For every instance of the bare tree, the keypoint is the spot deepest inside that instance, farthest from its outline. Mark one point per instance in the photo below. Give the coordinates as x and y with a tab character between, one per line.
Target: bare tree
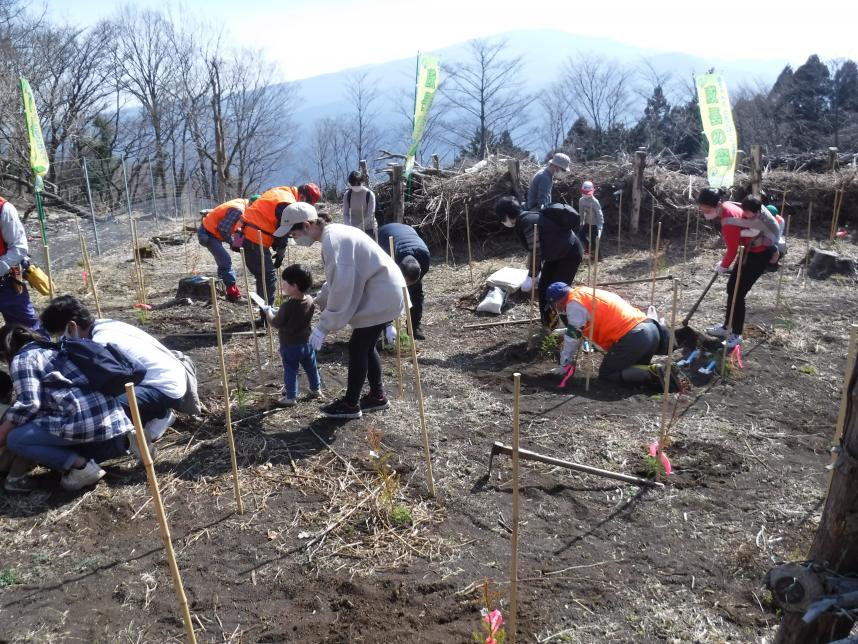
363	99
330	149
598	90
557	116
486	93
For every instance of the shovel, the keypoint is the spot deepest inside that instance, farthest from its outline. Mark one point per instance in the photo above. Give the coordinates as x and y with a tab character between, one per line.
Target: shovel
699	300
685	335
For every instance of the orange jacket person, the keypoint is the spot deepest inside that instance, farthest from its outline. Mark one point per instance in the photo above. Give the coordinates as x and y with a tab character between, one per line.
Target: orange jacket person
264	216
216	227
628	336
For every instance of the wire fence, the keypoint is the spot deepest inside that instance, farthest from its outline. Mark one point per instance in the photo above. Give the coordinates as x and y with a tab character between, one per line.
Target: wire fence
107	195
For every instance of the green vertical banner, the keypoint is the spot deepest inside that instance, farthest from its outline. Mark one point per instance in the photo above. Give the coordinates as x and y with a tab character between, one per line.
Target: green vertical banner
717	116
38	154
428	75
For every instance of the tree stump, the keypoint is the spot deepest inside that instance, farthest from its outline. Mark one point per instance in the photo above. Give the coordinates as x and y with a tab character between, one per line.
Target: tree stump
822	264
149	251
197	288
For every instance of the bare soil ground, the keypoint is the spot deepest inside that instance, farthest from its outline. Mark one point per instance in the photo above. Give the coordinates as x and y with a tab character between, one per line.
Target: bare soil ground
326	551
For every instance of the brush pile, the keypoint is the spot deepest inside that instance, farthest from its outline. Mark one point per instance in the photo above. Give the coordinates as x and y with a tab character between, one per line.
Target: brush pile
669	188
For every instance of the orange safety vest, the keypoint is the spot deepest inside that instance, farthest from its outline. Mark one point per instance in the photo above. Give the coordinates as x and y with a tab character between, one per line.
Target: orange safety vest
614	316
262	215
212	219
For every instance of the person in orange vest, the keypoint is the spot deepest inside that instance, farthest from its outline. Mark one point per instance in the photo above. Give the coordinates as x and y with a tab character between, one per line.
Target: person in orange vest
263	216
218	226
15	304
628	336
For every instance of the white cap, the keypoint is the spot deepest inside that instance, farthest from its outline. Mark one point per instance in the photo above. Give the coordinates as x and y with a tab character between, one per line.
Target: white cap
295	213
562	161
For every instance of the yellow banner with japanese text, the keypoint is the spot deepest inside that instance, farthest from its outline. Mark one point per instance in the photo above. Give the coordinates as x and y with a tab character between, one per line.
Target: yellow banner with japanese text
428	75
717	116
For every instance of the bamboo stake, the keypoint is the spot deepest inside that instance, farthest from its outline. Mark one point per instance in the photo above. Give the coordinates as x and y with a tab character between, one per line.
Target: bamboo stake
163	526
397	323
696	233
835	213
620	226
592	365
809	218
88	266
138	260
48	268
655	265
262	276
738	269
533	285
448	252
227	408
430	481
844	399
685	243
250	314
783	202
185	242
637	281
589	253
468	233
483	325
782	271
664	403
513	575
652	224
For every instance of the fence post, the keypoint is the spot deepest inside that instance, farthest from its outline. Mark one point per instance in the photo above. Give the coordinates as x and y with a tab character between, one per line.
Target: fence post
152	183
637	189
436	162
832	158
514	167
756	170
91	207
362	168
398	205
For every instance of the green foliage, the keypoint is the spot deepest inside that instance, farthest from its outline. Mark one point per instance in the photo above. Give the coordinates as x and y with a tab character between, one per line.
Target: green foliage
807	369
654	467
243	397
9	577
401	517
549	345
143	317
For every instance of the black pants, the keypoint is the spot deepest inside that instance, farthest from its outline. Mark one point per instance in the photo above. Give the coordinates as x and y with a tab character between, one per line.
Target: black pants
261	267
559	270
415	291
364	362
754	265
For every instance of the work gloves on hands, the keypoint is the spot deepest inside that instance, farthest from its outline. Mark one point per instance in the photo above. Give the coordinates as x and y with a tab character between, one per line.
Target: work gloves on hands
317	338
390	334
278	258
721	270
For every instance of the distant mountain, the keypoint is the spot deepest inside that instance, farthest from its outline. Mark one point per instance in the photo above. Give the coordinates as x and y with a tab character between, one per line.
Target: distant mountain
543	53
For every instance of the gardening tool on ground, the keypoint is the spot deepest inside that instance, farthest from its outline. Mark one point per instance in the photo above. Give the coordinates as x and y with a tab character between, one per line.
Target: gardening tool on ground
500	448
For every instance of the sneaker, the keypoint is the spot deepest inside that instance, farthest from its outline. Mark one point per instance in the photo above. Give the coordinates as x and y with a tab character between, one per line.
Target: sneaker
285	401
315	394
232	293
374	403
418	333
156	427
20	484
135	449
733	341
341	409
718	331
75	479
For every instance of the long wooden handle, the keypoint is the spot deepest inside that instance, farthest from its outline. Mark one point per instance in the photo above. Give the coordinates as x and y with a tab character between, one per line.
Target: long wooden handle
699	299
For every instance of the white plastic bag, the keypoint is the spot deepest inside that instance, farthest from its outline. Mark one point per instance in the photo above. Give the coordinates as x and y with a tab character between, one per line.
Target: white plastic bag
493	301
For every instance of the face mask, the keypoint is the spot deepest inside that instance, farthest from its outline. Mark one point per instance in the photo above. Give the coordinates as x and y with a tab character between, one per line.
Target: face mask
712	214
304	240
509	223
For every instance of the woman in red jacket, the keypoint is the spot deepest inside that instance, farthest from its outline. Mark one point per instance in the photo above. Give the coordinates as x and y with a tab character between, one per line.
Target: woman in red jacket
752	226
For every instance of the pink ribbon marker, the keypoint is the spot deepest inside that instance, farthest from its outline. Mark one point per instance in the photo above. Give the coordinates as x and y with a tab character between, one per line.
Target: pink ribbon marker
145	307
665	462
570	370
736	357
85	275
842	233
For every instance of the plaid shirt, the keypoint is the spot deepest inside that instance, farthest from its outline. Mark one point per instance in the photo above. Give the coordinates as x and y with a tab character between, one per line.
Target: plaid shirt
44	391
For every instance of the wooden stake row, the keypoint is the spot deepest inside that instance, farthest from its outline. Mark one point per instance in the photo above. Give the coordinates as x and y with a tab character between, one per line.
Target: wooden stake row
835	211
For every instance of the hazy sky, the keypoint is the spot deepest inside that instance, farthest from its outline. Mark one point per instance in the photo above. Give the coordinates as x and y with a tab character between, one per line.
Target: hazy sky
310	37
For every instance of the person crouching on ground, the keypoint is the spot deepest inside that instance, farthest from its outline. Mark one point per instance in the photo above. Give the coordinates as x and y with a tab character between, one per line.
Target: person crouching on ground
53	421
293	321
629	337
363	289
16	468
413	258
752	226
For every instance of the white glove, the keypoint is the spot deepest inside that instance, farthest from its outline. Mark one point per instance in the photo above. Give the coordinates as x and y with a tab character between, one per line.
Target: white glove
721	270
559	371
270	312
317	339
527	284
570	345
390	334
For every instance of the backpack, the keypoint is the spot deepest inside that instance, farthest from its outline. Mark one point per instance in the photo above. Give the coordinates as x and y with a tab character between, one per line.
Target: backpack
566	217
349	199
106	368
